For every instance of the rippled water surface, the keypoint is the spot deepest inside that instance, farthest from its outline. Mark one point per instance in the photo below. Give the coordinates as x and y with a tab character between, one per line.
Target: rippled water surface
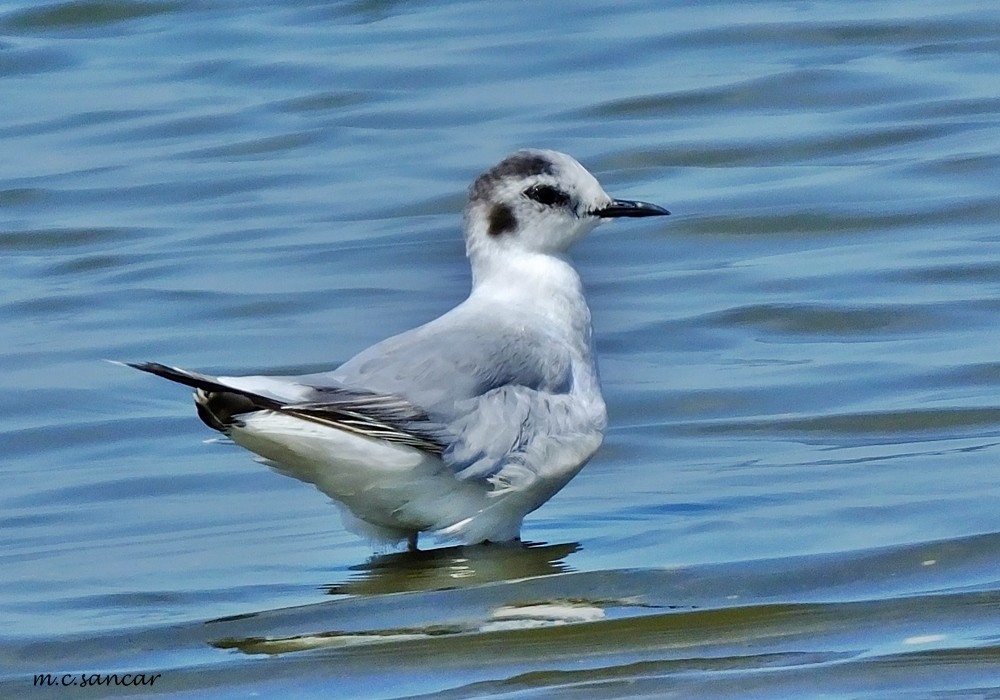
798	493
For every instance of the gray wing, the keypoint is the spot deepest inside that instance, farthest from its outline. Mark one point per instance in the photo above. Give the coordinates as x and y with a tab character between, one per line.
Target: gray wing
499	391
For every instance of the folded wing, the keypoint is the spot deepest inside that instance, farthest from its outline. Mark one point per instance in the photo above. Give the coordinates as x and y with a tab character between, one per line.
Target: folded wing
222	400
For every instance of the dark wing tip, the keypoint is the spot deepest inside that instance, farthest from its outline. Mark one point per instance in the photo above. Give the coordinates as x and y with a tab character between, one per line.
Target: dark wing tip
175	374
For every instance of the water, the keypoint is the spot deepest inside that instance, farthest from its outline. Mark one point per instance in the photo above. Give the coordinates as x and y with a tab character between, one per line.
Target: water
798	492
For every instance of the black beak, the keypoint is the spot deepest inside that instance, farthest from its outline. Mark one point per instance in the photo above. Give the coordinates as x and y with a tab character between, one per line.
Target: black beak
625	207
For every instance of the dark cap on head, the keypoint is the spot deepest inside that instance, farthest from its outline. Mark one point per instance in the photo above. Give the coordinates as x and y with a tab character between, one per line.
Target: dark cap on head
519	165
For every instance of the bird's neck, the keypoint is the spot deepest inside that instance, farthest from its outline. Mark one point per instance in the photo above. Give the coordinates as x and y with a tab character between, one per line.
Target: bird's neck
538	283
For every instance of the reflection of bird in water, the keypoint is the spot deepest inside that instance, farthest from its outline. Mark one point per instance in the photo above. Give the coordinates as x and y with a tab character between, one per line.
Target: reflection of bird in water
455	567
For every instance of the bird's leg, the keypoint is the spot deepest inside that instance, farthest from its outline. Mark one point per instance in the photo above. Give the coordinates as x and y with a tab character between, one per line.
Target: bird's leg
411	542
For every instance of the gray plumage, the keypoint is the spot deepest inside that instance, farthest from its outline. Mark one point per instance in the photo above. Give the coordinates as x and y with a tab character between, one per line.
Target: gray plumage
464	425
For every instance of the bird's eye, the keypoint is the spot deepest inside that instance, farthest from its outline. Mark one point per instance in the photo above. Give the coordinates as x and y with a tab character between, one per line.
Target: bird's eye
547	195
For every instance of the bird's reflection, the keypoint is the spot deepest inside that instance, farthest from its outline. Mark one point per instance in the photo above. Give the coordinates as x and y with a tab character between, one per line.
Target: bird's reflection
455	567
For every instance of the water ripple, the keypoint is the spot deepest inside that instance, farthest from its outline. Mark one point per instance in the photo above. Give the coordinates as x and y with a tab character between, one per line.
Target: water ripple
83	14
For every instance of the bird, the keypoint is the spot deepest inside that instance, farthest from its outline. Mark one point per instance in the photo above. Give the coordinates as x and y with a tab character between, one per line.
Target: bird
462	426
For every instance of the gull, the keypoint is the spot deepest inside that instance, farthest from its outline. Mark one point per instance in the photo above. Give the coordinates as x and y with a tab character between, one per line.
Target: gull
464	425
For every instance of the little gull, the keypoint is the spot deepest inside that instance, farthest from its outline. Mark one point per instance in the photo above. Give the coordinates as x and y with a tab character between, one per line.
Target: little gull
462	426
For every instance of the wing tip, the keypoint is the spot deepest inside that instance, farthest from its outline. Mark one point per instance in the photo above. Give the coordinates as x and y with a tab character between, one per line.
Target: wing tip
146	366
120	363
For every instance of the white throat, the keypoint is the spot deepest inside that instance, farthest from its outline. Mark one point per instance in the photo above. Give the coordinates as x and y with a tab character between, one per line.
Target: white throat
539	286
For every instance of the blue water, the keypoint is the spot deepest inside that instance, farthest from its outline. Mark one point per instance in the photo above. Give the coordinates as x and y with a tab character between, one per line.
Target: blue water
797	496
